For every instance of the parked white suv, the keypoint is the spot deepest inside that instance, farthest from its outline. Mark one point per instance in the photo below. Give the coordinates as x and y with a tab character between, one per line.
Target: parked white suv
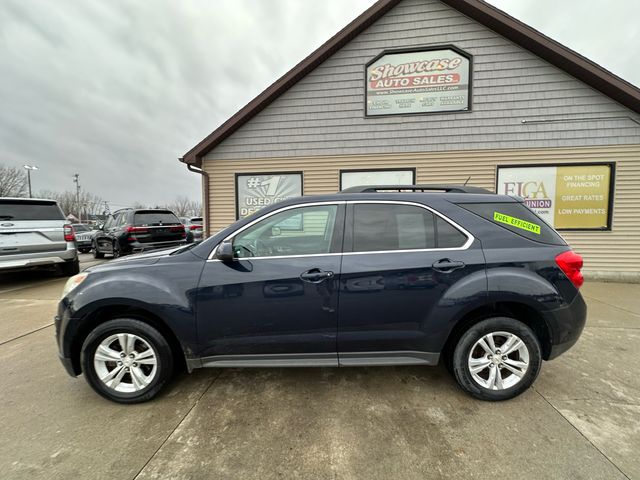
34	233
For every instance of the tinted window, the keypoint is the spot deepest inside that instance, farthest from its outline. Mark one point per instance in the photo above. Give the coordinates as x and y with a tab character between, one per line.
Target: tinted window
299	231
29	210
378	227
517	218
154	217
448	235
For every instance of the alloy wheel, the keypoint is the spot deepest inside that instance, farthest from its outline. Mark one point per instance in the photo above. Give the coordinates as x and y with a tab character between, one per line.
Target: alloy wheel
498	361
125	362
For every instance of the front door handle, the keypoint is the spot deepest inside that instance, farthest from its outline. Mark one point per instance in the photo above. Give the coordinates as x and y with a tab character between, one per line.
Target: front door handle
315	275
446	265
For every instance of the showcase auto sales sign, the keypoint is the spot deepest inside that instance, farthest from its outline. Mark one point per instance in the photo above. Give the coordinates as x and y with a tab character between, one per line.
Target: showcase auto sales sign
418	82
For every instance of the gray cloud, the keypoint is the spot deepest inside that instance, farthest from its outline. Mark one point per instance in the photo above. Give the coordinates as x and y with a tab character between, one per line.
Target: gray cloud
117	90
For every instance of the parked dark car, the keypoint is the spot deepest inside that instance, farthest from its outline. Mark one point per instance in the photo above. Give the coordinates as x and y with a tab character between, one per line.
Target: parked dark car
363	277
84	237
133	231
193	226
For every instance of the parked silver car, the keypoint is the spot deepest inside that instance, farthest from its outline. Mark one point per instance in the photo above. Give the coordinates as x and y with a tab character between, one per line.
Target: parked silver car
193	227
84	237
34	233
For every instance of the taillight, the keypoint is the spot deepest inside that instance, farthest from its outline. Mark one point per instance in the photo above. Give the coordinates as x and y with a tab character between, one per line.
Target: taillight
571	264
195	227
137	230
69	233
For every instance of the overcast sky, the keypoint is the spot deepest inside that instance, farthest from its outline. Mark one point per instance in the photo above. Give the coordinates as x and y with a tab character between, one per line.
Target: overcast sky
117	90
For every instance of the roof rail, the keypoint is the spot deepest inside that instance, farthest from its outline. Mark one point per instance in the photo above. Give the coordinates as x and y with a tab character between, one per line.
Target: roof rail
415	188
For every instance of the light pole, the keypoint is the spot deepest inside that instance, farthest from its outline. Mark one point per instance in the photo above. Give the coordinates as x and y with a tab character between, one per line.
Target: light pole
29	168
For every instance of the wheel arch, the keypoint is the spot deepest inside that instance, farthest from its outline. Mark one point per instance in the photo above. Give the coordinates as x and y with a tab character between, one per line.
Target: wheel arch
513	309
110	312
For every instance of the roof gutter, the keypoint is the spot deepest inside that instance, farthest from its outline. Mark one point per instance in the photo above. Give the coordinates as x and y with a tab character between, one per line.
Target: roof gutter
205	190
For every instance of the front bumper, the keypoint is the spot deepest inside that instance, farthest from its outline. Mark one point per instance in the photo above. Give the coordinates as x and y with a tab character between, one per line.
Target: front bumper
63	340
566	325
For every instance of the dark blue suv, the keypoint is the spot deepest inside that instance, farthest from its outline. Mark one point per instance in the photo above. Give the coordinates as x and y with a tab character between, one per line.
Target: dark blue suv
402	275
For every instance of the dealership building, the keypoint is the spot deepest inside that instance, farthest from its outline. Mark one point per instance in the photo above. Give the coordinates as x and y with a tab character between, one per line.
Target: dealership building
442	91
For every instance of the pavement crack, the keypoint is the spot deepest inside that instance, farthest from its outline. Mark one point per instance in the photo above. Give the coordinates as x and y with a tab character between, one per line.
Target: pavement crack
177	425
25	334
582	434
635	314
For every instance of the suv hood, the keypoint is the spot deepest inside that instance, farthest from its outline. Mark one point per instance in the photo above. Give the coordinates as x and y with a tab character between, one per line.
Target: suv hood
134	260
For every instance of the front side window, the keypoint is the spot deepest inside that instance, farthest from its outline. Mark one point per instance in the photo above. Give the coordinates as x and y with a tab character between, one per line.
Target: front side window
298	231
387	227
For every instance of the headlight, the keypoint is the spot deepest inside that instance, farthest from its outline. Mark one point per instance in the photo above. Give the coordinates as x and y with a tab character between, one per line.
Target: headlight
73	282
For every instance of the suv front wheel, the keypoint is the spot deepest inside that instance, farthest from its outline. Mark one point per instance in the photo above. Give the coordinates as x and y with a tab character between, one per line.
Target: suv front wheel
126	360
497	359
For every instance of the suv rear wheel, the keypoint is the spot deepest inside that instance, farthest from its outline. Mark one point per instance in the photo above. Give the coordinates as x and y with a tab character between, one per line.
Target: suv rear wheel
497	359
69	269
126	360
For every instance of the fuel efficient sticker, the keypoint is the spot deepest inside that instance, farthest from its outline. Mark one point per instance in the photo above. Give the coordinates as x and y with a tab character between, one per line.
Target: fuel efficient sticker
516	222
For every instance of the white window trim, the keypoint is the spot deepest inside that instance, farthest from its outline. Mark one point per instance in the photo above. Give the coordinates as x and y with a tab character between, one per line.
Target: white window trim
466	233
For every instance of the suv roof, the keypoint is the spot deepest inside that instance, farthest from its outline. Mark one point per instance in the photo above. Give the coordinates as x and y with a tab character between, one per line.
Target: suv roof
443	188
23	199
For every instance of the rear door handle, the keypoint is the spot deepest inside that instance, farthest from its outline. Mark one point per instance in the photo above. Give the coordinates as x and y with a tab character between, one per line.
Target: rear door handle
315	275
446	265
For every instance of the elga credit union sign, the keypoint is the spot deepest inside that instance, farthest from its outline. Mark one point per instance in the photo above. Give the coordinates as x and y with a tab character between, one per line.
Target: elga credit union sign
256	191
565	196
425	81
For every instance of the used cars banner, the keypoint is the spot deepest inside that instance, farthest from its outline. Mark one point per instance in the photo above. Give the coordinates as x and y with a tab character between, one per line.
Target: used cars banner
565	196
254	191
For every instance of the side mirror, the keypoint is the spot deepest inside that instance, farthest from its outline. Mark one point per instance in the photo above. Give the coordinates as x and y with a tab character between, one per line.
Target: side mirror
225	251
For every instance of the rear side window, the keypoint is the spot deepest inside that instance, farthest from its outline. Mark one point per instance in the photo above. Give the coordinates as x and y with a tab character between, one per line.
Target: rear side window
151	217
29	210
383	227
517	218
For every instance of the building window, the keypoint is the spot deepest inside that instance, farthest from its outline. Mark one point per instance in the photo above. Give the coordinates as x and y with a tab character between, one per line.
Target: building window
389	176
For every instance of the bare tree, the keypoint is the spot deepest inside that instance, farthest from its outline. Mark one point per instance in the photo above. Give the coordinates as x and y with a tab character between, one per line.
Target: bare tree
90	204
13	182
180	206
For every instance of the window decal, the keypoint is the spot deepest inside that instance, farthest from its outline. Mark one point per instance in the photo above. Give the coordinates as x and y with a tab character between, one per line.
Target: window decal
516	222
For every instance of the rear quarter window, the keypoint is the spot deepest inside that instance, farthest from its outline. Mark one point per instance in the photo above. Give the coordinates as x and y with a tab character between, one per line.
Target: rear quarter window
150	218
29	210
517	218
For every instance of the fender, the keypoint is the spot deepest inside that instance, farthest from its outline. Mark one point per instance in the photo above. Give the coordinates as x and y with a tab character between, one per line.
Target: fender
464	296
164	289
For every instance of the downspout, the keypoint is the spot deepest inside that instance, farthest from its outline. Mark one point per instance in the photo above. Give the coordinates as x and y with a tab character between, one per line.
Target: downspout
205	189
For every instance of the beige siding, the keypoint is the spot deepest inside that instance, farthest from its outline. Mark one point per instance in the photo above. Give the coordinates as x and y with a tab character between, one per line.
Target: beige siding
615	251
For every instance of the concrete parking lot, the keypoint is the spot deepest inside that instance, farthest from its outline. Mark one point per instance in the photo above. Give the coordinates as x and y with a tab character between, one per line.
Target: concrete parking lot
580	421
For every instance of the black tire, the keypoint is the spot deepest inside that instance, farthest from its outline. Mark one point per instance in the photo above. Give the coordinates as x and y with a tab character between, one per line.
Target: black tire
115	248
96	252
164	358
68	269
460	358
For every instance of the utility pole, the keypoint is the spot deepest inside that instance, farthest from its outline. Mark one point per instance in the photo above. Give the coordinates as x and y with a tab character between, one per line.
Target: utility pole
77	182
29	168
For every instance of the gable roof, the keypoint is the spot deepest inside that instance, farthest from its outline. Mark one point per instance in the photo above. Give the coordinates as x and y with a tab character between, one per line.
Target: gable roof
519	33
